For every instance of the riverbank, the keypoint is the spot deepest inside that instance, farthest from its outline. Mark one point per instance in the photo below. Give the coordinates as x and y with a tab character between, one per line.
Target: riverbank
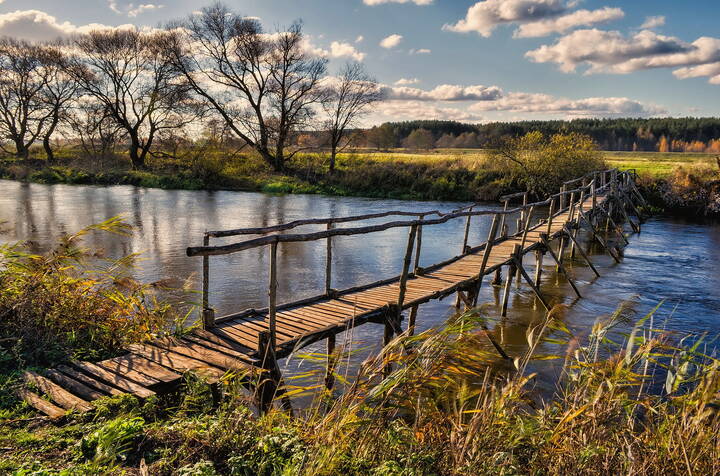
363	175
675	183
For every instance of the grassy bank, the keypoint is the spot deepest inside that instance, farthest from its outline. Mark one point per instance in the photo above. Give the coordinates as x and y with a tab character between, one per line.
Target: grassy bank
647	406
676	182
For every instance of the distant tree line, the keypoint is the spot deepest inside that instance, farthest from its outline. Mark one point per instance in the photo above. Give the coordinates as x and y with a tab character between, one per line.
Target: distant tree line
664	135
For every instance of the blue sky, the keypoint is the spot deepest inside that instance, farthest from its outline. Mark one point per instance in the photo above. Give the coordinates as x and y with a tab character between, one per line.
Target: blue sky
471	60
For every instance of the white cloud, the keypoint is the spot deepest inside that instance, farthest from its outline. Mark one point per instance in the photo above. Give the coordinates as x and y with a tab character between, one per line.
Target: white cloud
567	22
408	110
710	70
380	2
611	52
340	49
485	16
653	22
444	92
534	17
421	51
132	10
391	41
35	25
405	81
135	11
359	39
532	103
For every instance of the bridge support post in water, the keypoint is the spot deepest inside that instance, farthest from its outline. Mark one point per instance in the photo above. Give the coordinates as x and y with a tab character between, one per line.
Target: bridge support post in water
512	269
539	255
544	238
524	274
581	251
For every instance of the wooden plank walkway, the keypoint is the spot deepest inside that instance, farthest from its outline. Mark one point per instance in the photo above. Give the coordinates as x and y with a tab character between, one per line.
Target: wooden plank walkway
240	343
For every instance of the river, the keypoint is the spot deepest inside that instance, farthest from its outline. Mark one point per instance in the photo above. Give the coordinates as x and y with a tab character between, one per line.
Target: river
671	260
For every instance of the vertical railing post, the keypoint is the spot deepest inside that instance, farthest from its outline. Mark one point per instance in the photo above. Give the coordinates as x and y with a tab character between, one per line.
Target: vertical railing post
563	199
550	216
503	225
486	255
328	263
467	233
593	190
418	244
406	267
208	314
272	295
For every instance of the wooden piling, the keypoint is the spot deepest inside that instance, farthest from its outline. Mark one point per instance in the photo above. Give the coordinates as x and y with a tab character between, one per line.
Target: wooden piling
330	362
328	263
512	269
208	314
486	255
272	295
467	234
544	238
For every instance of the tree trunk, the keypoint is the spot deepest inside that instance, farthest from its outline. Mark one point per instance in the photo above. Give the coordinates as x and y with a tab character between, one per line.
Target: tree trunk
21	151
138	161
333	154
48	150
48	135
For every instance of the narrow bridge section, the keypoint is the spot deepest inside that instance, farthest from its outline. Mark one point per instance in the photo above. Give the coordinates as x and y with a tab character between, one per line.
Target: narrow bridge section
251	341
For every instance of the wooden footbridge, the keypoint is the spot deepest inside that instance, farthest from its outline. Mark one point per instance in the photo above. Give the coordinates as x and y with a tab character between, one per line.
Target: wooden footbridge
253	340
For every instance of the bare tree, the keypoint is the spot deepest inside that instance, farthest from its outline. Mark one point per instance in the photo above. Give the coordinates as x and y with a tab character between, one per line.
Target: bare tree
59	92
98	133
23	112
348	101
126	73
263	86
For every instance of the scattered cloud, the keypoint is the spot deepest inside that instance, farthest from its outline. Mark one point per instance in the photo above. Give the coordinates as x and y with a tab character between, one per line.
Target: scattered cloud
534	17
359	39
612	52
339	49
444	92
35	25
380	2
567	22
653	22
533	103
132	10
409	110
406	82
421	51
391	41
709	70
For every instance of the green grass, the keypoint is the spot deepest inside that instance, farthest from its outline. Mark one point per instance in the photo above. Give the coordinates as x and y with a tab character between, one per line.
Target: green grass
658	164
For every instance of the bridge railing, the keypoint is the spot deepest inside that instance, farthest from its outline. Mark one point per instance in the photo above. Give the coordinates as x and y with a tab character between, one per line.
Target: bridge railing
558	203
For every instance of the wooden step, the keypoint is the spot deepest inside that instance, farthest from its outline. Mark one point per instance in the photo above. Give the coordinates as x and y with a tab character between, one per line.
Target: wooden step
59	395
39	403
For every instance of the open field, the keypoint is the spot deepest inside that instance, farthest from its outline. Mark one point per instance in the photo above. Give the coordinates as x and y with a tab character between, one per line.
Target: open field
652	164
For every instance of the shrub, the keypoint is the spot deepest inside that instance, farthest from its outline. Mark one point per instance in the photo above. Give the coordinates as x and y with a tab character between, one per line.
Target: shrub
70	302
540	164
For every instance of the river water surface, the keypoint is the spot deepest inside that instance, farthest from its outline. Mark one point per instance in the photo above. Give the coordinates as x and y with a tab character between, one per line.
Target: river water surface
670	261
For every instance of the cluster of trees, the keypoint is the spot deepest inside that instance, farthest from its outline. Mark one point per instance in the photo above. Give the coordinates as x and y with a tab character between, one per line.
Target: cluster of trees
664	135
143	88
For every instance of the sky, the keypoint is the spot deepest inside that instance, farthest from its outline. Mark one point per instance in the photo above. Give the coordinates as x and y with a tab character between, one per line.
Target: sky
472	61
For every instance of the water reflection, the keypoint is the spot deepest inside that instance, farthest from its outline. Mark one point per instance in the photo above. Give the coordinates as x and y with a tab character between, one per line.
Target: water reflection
670	260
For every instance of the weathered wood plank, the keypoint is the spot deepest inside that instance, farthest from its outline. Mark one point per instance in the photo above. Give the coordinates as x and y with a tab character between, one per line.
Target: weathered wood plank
39	403
114	379
58	394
